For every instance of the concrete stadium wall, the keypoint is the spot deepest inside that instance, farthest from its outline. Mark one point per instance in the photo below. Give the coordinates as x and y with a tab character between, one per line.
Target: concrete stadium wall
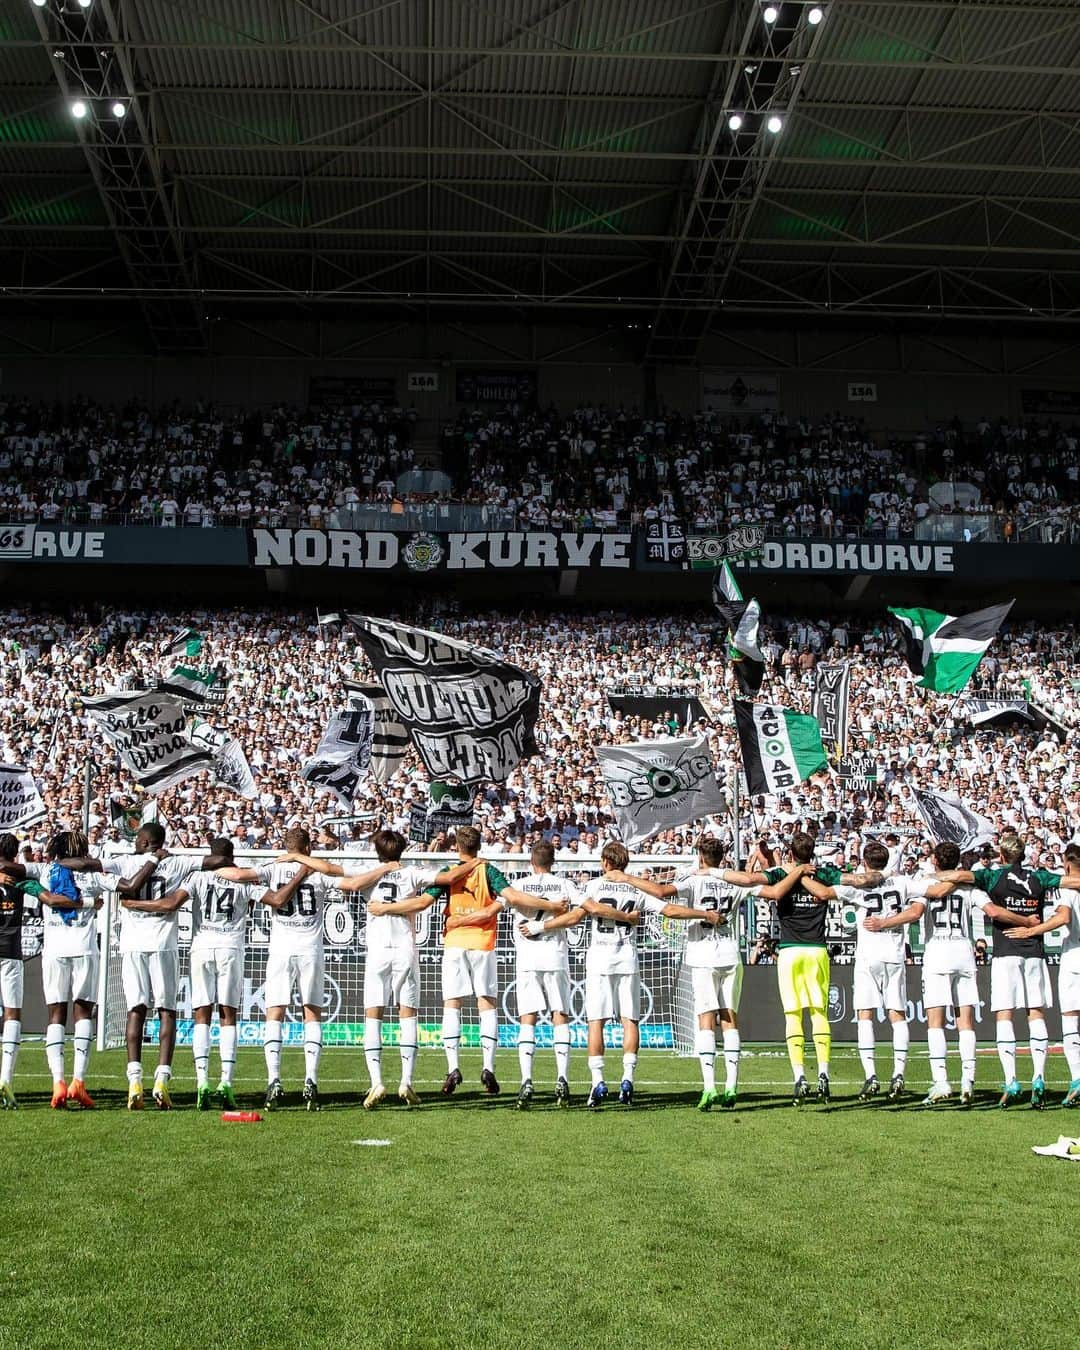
922	378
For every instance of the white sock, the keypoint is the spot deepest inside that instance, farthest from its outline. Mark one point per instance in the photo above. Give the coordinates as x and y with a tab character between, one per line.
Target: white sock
200	1046
1039	1040
935	1040
451	1036
732	1051
134	1071
12	1041
408	1040
163	1073
629	1064
706	1053
272	1050
562	1052
227	1051
596	1068
54	1050
312	1050
489	1037
967	1055
866	1046
1070	1042
373	1049
526	1050
1006	1048
84	1041
901	1040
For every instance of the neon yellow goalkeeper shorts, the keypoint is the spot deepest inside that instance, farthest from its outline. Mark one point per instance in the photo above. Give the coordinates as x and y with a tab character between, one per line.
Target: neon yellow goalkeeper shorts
803	976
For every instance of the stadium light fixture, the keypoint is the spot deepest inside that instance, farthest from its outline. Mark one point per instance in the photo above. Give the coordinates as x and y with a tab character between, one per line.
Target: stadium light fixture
85	4
815	15
118	109
79	110
775	124
770	14
735	121
40	3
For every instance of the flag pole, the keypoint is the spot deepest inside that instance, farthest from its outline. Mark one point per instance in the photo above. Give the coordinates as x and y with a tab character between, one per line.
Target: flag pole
88	770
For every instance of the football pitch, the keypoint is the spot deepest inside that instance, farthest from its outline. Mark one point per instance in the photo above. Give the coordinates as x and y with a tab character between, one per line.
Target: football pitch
477	1225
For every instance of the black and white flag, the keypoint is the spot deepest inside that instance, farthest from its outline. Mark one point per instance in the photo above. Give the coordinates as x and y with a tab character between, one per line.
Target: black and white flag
743	619
980	711
448	805
830	706
150	734
471	715
950	821
20	800
657	785
389	739
231	768
343	755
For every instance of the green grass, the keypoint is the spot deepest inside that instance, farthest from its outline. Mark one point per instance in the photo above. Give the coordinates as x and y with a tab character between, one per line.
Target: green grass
483	1226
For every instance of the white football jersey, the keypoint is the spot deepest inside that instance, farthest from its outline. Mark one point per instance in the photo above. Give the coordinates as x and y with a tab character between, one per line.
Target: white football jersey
219	910
706	946
547	951
950	918
149	932
392	932
1070	934
889	899
298	924
78	935
613	946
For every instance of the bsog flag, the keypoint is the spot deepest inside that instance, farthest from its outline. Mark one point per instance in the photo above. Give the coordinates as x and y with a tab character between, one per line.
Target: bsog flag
950	821
20	800
149	732
945	650
230	768
343	755
471	715
657	785
780	749
830	705
389	739
743	620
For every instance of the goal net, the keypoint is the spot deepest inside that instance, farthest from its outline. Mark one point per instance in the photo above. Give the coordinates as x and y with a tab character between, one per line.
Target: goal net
667	1021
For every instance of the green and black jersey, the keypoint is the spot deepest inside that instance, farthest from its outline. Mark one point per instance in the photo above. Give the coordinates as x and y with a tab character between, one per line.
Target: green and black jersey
1020	890
802	918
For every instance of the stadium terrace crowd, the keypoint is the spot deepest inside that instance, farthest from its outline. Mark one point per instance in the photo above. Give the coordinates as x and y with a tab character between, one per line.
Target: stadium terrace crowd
1024	778
592	467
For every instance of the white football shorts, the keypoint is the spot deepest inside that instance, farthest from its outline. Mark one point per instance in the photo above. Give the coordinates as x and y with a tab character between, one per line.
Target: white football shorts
1068	989
217	977
716	987
948	975
543	991
880	984
150	979
303	968
612	996
70	979
467	974
1019	982
11	982
392	979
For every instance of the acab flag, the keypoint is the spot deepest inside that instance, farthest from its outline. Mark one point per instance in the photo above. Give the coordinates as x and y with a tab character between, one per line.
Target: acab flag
944	649
780	749
20	800
149	732
470	714
658	785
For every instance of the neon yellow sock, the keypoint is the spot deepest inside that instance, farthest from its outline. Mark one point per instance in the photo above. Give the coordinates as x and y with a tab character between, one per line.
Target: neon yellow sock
822	1033
796	1042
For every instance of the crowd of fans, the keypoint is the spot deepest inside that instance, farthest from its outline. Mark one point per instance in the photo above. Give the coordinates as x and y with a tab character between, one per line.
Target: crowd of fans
286	677
593	467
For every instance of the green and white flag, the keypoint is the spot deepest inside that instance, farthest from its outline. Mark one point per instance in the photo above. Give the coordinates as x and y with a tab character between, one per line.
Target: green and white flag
780	749
945	650
185	642
193	686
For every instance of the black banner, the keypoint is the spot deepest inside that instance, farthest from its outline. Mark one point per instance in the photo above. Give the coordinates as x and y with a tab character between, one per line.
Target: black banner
342	391
1047	402
496	386
470	714
686	707
830	706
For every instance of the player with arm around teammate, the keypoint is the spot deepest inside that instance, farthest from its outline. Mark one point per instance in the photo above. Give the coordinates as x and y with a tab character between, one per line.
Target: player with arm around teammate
12	903
219	916
392	891
710	898
1019	975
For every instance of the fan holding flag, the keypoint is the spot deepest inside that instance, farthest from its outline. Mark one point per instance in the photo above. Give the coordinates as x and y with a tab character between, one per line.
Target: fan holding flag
944	649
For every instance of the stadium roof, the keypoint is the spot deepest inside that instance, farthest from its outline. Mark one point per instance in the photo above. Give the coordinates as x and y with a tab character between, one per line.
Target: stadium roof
550	155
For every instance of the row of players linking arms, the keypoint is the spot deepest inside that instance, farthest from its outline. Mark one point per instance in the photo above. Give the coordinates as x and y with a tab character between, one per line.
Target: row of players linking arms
152	886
